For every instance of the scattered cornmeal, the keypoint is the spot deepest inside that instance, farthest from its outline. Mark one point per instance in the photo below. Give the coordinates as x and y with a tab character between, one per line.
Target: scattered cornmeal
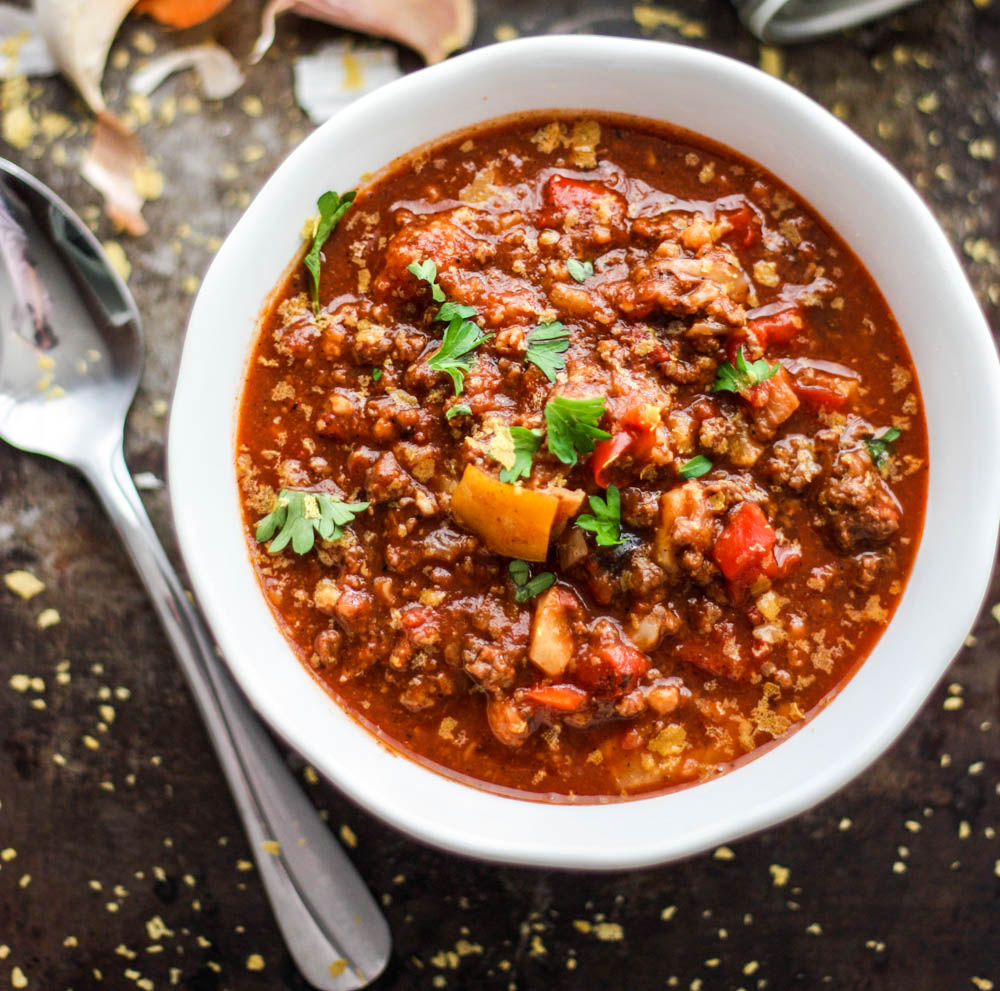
47	618
23	583
255	962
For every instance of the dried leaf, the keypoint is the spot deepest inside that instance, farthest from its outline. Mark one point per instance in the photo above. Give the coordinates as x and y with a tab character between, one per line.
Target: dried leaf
78	36
434	28
217	70
112	161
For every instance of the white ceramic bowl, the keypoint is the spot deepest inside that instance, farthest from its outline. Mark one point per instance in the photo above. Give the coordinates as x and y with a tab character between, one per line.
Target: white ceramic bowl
867	202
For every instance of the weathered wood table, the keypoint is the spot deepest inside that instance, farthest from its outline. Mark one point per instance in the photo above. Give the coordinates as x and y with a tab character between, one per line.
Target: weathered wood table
122	863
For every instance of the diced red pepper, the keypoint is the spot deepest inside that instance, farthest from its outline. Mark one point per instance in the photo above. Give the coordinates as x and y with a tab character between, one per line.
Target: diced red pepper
563	698
746	227
744	551
638	439
561	195
777	328
611	669
641	422
606	453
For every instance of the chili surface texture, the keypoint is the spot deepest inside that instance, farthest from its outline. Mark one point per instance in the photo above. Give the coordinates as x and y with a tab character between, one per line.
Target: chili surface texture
634	472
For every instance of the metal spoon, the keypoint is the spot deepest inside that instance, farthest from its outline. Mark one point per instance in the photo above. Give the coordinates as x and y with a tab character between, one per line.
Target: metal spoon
70	359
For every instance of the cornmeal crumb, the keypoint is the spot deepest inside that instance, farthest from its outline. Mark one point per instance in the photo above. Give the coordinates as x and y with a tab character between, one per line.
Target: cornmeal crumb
23	583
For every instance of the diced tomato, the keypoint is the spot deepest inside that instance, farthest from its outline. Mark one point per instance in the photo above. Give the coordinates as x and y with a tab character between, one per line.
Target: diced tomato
564	698
561	195
744	551
611	669
638	439
641	422
746	227
572	194
606	453
777	328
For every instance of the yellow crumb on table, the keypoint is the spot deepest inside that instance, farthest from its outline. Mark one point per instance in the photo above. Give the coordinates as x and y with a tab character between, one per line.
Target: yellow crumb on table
23	583
47	618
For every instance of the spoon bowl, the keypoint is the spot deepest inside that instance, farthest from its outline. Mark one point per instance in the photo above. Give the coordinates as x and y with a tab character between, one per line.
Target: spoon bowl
71	356
71	347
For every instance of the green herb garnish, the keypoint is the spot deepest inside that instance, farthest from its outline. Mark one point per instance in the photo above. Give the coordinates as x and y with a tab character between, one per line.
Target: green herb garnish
331	208
546	345
742	376
526	443
526	588
461	338
298	516
450	310
579	270
606	522
572	426
427	271
878	446
699	465
459	409
376	373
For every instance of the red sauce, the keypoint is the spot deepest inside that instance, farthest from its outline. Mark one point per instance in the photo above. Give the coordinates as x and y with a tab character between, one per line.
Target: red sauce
752	409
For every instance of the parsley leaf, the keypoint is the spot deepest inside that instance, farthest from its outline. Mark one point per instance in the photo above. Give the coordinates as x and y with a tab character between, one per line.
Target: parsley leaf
450	310
461	338
331	208
699	465
572	425
546	345
742	376
298	516
579	270
459	409
526	443
606	522
376	373
427	271
878	446
527	589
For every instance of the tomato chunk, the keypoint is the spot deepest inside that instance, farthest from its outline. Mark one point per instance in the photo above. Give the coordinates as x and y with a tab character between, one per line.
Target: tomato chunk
606	453
611	669
572	194
777	328
590	202
637	439
744	551
641	422
746	227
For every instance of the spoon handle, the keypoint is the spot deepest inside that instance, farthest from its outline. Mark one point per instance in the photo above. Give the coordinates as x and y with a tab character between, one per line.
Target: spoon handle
335	932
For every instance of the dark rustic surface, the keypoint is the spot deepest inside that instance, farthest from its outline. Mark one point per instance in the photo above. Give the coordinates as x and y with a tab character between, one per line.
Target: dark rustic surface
122	863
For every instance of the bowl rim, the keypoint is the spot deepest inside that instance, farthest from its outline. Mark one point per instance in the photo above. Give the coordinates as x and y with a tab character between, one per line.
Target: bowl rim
455	816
